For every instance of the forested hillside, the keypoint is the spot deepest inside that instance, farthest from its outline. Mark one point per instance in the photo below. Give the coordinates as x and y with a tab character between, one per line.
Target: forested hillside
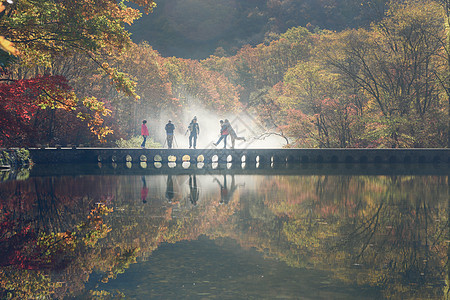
196	28
75	76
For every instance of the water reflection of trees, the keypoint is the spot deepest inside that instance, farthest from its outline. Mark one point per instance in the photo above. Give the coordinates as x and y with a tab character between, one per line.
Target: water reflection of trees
386	232
49	228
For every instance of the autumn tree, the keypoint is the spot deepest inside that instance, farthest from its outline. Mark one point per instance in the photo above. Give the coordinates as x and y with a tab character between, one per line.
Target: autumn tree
394	63
190	81
263	66
444	75
44	30
142	65
384	86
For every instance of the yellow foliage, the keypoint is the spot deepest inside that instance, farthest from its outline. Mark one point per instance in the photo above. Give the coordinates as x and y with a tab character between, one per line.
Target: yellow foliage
4	43
7	46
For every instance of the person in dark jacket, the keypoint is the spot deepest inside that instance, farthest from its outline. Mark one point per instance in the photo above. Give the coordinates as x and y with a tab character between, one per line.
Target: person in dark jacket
233	134
169	131
194	130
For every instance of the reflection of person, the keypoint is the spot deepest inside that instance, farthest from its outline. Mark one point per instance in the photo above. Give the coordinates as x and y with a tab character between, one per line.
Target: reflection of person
144	190
169	131
193	188
169	190
223	134
233	134
225	194
144	132
194	130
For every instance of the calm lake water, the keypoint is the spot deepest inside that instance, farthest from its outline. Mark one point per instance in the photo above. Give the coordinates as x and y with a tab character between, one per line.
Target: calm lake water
221	232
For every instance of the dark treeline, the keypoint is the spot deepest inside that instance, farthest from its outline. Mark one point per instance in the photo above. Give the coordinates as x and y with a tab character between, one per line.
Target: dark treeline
197	29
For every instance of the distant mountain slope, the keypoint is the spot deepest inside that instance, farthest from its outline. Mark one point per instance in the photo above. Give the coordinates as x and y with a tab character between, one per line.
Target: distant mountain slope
196	28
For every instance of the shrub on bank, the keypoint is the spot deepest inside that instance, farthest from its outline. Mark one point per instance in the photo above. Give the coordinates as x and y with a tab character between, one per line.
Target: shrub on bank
14	164
15	158
136	141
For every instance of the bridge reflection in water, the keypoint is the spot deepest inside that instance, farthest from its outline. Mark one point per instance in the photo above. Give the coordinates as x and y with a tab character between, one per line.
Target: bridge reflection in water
201	168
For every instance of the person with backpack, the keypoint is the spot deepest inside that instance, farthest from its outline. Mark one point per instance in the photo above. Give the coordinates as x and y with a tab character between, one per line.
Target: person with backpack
223	134
194	130
169	131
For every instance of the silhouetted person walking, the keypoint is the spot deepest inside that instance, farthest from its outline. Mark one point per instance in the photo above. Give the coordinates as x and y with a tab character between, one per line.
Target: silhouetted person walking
169	131
233	134
194	130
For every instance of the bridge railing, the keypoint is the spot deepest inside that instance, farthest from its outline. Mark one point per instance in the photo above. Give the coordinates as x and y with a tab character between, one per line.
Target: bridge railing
261	156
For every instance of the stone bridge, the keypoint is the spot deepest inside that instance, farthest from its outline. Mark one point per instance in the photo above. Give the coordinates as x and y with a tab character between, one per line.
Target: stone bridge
249	156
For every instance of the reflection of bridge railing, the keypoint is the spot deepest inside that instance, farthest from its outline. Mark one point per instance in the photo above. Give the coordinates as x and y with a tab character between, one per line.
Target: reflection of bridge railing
262	156
187	168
